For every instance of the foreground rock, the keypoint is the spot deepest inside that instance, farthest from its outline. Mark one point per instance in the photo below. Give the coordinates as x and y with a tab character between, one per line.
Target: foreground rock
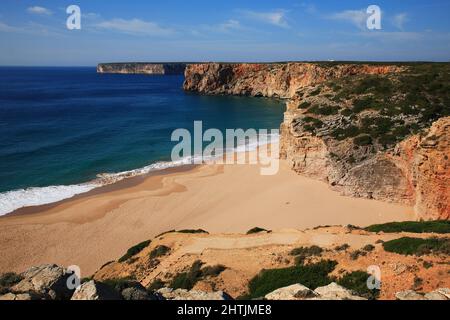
20	296
48	281
293	292
332	291
438	294
182	294
93	290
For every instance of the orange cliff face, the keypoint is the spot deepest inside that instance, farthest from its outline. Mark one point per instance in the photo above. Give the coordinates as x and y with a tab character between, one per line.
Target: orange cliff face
414	172
424	160
268	79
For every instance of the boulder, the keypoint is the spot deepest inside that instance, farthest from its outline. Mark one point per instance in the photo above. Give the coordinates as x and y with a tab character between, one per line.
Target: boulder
333	291
293	292
48	280
93	290
20	296
409	295
183	294
439	294
134	293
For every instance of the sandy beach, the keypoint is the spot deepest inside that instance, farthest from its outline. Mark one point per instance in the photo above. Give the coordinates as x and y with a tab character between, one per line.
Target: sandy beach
92	229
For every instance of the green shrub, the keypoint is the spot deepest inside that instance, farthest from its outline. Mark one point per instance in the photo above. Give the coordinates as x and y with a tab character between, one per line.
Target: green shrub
418	246
343	247
134	250
7	280
357	282
159	251
212	271
193	231
315	92
187	280
311	276
304	105
363	140
309	251
440	226
257	230
368	248
119	284
323	110
156	285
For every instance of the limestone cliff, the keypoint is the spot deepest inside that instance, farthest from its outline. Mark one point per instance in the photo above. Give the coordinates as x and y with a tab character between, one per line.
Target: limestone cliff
366	129
142	68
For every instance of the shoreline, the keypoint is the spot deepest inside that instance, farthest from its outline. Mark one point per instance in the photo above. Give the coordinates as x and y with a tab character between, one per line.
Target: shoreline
99	226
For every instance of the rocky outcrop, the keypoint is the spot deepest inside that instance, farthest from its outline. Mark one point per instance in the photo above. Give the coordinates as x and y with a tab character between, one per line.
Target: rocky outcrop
183	294
93	290
439	294
268	79
321	122
333	291
293	292
47	281
142	68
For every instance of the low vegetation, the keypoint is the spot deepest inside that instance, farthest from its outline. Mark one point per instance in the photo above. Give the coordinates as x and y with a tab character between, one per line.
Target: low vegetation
380	110
311	276
159	251
7	280
418	246
357	281
156	285
412	226
192	231
302	253
134	250
257	230
187	280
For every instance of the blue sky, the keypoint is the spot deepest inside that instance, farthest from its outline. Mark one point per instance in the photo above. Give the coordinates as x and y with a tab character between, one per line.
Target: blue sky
35	33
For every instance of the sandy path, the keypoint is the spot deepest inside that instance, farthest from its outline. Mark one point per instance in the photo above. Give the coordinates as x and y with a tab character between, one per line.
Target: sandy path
92	230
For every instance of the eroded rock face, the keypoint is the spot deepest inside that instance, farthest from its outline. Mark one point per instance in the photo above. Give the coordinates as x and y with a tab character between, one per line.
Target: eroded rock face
267	79
47	280
425	163
93	290
182	294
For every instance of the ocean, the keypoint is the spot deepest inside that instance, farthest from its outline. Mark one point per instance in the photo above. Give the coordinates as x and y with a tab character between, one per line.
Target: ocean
63	128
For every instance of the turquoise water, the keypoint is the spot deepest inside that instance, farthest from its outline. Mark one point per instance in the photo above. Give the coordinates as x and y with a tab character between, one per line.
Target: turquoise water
64	126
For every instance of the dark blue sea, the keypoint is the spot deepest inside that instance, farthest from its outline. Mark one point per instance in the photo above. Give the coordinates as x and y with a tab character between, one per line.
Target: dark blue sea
62	127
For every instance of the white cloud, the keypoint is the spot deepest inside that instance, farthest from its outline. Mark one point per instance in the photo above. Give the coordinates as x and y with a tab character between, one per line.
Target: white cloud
276	18
355	17
135	27
399	20
39	10
229	25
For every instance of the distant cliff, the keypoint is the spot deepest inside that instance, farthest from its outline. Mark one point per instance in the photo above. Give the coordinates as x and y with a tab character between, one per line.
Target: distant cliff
142	68
368	130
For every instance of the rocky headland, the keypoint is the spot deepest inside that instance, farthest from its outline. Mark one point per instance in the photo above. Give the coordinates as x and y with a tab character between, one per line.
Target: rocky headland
142	68
378	131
